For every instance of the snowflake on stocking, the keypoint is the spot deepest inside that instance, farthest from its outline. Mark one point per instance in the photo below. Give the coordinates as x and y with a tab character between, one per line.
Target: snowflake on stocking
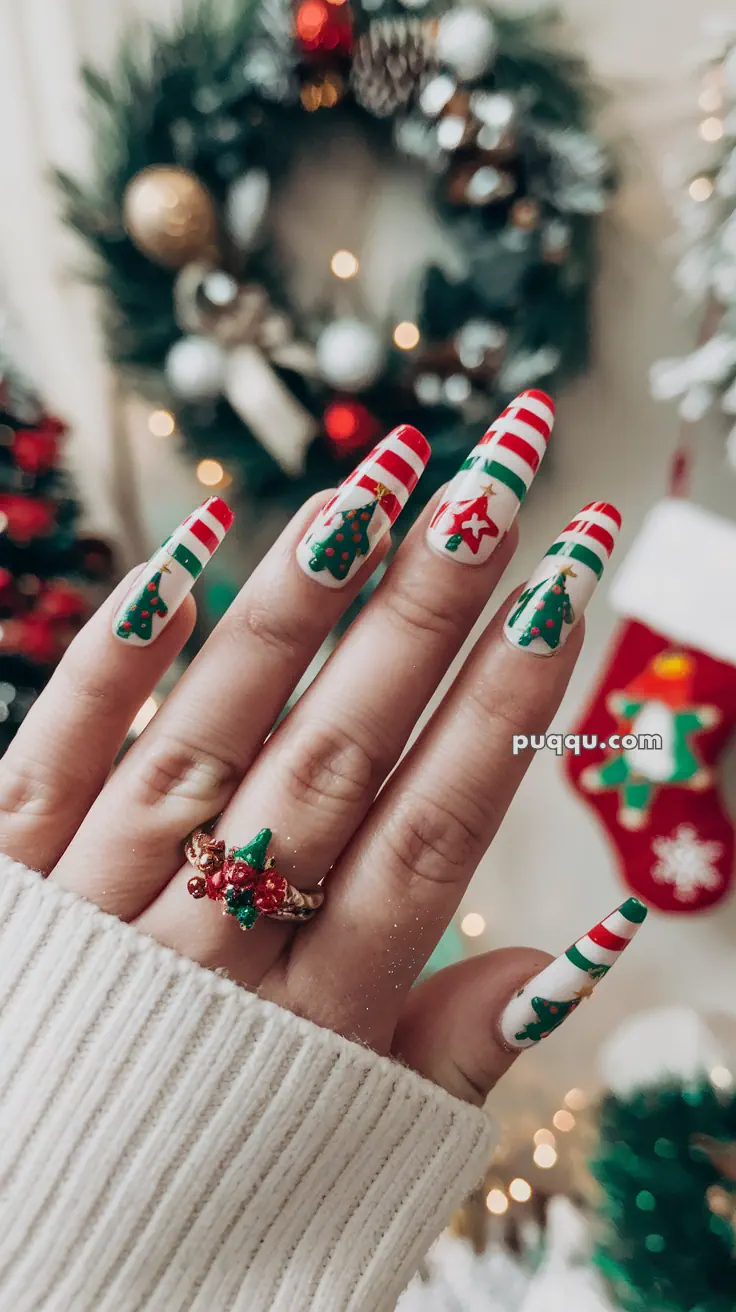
687	862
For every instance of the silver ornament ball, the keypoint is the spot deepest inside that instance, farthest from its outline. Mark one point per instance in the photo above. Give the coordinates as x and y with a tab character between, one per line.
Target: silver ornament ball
350	354
195	368
466	41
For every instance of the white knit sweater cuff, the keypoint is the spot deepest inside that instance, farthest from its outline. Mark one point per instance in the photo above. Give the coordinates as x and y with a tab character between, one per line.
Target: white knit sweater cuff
169	1141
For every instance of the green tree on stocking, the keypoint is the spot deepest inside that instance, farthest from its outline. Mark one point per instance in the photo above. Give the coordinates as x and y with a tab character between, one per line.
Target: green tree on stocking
552	608
551	1014
138	618
345	541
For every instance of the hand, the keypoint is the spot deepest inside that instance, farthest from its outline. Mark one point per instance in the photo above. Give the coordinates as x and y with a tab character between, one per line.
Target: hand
395	850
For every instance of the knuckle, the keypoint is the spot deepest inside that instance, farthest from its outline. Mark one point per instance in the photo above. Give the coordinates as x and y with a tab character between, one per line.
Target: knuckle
418	610
507	717
28	790
280	633
327	767
172	768
434	842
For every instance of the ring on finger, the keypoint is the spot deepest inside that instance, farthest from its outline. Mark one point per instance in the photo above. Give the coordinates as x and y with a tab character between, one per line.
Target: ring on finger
245	880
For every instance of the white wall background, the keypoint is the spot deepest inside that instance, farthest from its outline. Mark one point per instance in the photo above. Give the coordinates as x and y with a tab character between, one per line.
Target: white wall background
545	882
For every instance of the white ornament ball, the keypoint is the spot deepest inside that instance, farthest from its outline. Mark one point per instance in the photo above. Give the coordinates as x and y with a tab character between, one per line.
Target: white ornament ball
246	206
195	368
466	41
350	354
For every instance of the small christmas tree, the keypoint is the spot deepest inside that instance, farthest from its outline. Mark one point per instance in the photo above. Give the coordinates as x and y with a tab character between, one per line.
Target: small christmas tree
551	1014
346	540
46	567
552	607
146	603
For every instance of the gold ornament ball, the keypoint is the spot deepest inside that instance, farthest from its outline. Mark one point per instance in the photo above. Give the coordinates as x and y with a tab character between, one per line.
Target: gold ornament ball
170	216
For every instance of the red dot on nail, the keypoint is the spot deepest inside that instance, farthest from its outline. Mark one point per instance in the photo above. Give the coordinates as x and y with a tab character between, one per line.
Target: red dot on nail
346	555
550	624
365	515
557	589
356	537
145	614
350	514
535	633
329	551
161	612
339	537
126	624
553	1012
151	587
539	605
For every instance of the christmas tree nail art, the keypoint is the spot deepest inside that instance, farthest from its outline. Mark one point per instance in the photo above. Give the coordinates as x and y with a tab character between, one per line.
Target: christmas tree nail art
363	508
561	587
547	1000
483	499
171	573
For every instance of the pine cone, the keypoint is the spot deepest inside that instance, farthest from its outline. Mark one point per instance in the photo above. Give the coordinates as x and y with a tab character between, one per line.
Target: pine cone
391	63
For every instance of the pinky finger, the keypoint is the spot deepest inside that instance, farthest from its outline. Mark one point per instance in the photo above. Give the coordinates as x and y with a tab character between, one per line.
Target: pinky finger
63	752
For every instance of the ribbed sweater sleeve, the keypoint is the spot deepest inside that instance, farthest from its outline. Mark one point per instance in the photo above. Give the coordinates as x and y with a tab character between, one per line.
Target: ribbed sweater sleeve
169	1141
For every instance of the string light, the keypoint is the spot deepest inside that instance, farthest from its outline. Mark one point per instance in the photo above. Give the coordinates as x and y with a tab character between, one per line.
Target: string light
563	1121
700	189
576	1099
711	129
520	1190
545	1137
545	1156
161	423
144	716
344	264
721	1077
473	924
710	99
497	1202
210	472
406	336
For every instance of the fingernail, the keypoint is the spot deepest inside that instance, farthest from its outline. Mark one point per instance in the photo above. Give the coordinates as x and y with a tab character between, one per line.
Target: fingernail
559	590
483	499
548	999
352	523
171	572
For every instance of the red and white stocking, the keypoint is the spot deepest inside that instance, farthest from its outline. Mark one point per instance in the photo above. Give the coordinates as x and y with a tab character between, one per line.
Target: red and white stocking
669	694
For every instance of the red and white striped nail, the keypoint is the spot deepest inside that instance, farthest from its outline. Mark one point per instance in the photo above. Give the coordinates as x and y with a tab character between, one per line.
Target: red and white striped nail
561	587
352	523
483	499
171	573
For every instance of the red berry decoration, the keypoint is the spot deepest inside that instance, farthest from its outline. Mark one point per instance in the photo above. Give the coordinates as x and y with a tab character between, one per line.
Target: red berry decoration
269	892
238	874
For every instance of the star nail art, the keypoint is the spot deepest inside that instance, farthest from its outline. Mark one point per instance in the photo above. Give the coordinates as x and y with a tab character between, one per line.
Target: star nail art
482	501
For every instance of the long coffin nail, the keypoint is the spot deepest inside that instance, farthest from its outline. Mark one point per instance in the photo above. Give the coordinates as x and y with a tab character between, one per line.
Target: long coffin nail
563	584
171	572
548	999
483	499
364	507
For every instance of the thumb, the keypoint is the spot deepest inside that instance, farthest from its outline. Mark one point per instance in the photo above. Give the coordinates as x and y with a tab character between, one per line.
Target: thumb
449	1030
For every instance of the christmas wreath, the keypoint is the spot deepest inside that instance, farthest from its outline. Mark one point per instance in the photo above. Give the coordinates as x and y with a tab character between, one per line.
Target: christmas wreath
196	131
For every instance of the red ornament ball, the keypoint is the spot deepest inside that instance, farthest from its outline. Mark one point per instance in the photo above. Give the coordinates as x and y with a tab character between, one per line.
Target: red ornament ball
322	27
350	426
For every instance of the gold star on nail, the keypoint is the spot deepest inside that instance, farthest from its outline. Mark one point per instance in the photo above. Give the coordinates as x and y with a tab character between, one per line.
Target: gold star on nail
569	571
488	490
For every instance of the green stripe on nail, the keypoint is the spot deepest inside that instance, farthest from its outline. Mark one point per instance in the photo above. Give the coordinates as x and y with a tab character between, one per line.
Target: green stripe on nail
188	559
577	552
633	910
574	955
507	476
